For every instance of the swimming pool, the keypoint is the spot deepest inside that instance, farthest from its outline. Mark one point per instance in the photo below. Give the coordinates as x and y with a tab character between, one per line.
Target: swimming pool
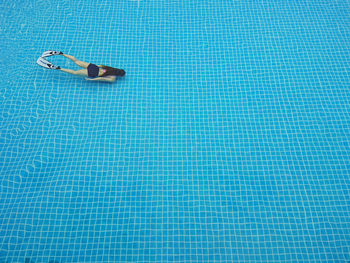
227	140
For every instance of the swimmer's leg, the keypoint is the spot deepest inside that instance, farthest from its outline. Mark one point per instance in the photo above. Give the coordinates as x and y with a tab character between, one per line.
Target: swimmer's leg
76	61
82	72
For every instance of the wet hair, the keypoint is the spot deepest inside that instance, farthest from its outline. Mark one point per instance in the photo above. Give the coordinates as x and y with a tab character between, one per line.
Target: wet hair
112	71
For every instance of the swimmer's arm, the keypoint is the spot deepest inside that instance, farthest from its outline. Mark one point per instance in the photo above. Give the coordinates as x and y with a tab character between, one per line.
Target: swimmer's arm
108	79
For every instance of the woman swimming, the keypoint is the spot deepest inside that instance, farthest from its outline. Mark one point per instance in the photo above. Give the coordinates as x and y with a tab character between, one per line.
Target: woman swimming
91	71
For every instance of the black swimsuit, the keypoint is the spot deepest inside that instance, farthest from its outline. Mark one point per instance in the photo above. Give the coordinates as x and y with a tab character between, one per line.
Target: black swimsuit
93	70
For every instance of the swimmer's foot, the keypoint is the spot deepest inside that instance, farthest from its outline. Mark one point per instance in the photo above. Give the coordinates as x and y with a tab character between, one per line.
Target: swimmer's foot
51	53
46	64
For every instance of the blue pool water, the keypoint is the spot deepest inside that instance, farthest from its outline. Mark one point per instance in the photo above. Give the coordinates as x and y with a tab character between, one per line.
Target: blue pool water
227	140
